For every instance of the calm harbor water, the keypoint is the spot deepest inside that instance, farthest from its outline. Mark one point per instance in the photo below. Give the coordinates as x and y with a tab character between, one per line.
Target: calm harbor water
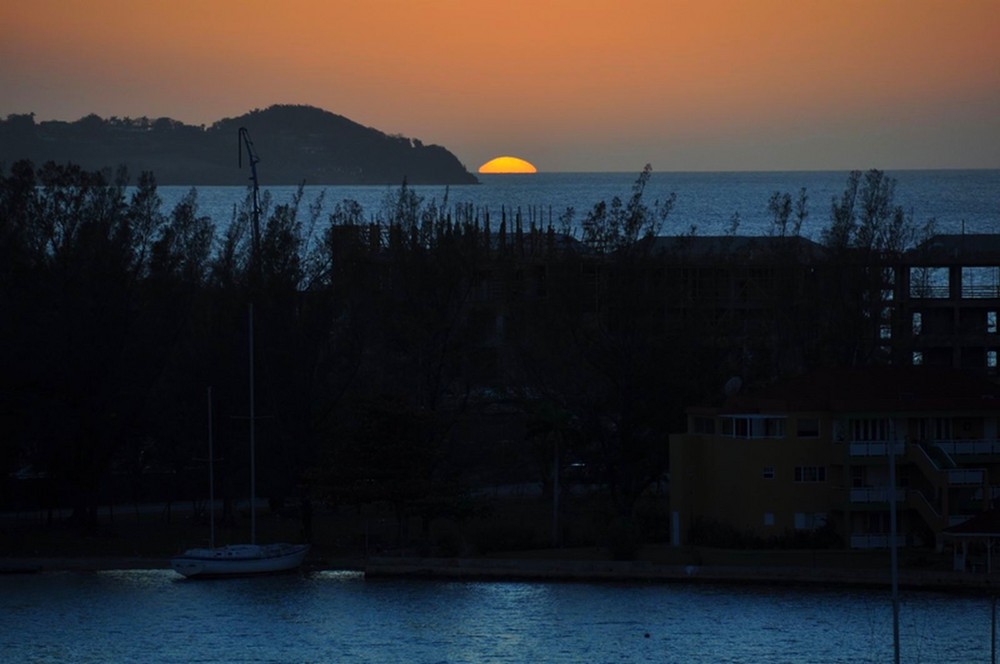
156	616
959	200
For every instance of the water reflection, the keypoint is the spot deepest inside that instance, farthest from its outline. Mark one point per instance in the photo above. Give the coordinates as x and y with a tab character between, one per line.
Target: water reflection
153	615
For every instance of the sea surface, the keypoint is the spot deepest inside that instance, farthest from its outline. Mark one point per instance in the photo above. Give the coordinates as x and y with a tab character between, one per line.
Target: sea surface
157	616
960	201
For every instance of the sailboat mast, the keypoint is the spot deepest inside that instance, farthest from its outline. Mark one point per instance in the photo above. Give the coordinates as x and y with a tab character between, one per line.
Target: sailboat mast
893	554
211	477
247	144
253	428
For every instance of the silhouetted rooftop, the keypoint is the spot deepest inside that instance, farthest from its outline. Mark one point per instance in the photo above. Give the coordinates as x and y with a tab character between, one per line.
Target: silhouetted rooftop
882	389
742	247
963	249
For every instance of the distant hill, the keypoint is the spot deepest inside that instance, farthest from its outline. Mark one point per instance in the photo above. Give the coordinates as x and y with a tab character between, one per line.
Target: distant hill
295	144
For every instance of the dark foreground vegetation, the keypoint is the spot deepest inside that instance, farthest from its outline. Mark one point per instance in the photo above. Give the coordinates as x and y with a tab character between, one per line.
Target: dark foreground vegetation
422	363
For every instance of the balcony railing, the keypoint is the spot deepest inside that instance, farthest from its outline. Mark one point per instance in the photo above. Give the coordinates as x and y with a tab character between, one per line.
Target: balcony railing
983	447
875	541
967	477
871	448
876	494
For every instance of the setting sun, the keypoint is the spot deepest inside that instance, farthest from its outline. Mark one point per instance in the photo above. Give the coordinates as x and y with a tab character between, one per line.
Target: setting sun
508	165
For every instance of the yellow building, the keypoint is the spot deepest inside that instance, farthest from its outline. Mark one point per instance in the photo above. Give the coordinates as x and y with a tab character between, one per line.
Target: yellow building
811	457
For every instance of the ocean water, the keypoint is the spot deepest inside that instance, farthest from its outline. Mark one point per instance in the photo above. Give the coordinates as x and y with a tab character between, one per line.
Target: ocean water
960	201
156	616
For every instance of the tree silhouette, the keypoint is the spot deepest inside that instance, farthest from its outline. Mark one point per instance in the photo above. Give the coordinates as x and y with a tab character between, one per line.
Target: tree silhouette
868	233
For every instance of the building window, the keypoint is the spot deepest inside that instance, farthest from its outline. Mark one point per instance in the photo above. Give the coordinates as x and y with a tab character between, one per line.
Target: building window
991	322
704	425
934	428
980	282
810	473
918	323
918	358
774	427
991	359
840	430
753	427
808	427
865	430
930	282
768	473
859	476
768	518
809	520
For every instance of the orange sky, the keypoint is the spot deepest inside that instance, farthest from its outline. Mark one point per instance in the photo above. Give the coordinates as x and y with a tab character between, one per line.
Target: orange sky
567	84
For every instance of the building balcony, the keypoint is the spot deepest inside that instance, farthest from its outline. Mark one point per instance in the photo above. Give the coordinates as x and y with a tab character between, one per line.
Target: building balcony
955	447
875	448
981	447
876	494
966	476
875	541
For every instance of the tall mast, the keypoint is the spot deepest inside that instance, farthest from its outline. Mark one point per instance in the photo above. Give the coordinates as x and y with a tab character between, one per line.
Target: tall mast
253	428
246	143
211	476
893	554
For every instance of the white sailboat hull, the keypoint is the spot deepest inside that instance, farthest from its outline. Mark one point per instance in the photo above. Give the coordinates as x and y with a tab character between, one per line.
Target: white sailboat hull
240	560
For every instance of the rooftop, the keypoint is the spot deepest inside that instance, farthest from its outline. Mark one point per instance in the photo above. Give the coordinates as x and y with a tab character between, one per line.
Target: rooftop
961	249
726	247
882	389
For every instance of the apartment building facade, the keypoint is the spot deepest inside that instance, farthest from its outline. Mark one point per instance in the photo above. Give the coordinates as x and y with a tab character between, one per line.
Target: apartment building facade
947	299
831	450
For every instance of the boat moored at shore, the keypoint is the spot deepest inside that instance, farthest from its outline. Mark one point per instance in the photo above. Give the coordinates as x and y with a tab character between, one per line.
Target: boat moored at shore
240	560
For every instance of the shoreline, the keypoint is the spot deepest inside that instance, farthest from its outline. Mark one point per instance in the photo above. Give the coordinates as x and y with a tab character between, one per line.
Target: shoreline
650	572
582	571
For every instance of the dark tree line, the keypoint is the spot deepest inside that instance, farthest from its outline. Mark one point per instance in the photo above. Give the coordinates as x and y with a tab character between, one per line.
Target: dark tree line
118	315
382	347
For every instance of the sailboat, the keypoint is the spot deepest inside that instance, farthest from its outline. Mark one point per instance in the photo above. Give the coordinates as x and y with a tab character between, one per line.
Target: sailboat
241	559
237	560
